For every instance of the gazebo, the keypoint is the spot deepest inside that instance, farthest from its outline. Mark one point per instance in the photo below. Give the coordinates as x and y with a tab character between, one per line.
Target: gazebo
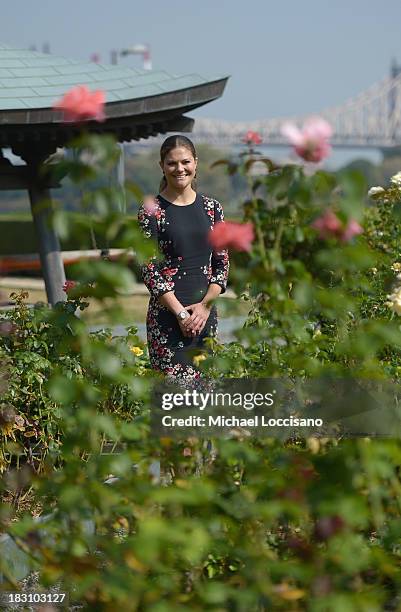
139	104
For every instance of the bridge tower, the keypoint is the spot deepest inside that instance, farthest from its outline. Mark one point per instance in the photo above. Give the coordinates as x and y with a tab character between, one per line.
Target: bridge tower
394	103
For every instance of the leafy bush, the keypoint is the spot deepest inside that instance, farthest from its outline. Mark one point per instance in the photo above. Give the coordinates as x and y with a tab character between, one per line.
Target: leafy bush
33	348
230	524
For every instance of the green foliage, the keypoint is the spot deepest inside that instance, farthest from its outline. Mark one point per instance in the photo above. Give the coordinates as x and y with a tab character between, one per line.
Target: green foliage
237	523
309	296
43	345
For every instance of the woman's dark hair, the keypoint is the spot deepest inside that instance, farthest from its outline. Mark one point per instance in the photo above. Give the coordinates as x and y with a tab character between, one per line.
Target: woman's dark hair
172	142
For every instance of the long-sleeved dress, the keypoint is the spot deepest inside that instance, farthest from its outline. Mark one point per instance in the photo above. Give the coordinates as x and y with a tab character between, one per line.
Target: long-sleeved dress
187	266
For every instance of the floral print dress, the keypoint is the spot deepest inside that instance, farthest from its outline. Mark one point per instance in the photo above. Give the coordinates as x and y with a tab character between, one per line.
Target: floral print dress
187	266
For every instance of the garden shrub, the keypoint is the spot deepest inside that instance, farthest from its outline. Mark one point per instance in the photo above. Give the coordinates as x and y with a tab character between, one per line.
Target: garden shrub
240	523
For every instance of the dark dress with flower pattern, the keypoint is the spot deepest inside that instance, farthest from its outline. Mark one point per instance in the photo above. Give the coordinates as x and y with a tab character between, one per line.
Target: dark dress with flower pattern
187	266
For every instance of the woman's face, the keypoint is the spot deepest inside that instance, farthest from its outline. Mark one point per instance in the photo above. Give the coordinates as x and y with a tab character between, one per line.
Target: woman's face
179	167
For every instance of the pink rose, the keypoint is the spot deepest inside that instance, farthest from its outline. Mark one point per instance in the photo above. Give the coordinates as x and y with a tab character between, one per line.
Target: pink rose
327	225
229	234
252	137
310	143
81	104
352	229
330	226
68	285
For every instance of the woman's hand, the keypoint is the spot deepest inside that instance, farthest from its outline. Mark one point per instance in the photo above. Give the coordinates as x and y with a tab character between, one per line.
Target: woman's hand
199	316
184	328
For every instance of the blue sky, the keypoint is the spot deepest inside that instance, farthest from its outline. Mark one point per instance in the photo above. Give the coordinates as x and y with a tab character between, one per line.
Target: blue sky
284	58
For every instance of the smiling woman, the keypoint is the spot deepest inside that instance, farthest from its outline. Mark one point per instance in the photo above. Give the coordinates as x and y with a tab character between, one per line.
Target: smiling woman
190	276
179	168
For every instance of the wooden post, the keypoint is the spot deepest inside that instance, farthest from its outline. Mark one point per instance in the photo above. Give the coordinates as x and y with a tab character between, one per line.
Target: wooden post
49	245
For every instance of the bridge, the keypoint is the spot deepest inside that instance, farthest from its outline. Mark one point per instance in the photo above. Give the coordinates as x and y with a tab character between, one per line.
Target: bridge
371	119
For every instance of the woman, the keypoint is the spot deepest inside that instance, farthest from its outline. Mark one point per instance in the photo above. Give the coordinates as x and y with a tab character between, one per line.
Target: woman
184	284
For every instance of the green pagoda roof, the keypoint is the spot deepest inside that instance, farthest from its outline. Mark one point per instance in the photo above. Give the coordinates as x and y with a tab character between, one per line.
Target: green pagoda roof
139	103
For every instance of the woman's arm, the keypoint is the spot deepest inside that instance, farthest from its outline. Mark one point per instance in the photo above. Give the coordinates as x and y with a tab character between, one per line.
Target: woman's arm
214	290
155	282
174	305
171	302
220	260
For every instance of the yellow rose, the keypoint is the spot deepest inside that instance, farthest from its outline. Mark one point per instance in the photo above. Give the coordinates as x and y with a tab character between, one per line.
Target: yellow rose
136	350
198	358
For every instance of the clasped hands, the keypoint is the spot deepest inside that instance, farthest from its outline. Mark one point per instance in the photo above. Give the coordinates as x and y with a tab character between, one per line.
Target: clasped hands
193	325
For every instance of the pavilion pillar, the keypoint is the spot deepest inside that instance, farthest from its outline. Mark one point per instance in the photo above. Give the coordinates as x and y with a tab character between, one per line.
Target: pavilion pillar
49	245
